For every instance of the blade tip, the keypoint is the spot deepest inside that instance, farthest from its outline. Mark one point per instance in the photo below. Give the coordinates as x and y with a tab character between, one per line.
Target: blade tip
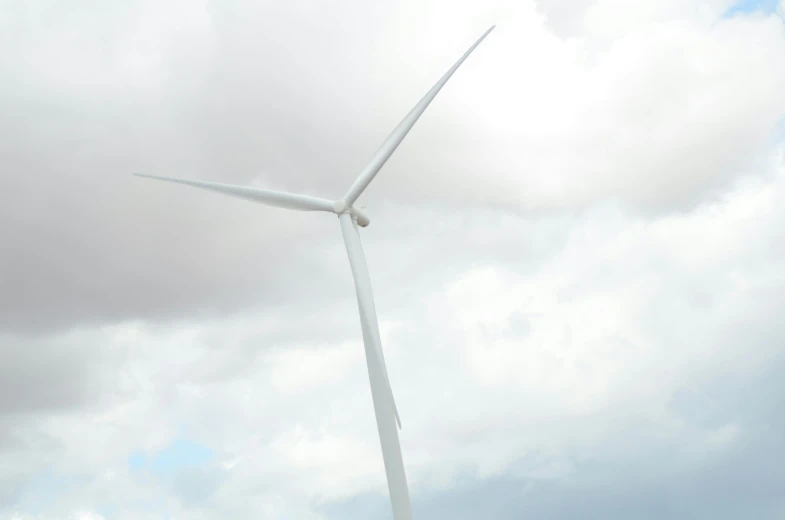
487	32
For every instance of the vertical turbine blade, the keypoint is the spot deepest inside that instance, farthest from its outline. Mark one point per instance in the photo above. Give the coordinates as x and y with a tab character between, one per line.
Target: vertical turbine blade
373	326
394	139
383	404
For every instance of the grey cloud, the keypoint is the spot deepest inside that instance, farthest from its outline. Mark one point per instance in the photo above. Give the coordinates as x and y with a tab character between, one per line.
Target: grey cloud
24	452
633	456
244	93
638	473
229	357
53	374
44	378
9	490
235	92
86	243
196	486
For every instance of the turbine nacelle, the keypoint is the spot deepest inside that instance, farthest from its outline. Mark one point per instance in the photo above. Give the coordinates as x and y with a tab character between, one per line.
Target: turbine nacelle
340	207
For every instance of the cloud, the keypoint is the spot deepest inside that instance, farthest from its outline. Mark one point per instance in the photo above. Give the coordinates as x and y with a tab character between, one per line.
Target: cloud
624	352
576	258
53	373
660	111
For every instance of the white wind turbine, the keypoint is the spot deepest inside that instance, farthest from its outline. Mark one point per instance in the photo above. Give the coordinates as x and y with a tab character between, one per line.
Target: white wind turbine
350	217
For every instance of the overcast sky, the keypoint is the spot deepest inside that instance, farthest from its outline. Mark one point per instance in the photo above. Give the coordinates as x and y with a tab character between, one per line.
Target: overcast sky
576	256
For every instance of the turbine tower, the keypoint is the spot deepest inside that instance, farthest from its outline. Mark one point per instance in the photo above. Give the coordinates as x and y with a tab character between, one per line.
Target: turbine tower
350	218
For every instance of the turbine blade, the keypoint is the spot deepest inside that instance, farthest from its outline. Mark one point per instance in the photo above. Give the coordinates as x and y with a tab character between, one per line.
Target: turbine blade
279	199
374	325
383	403
394	139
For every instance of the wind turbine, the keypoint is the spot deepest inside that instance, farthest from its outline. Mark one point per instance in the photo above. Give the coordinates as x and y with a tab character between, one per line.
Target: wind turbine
350	218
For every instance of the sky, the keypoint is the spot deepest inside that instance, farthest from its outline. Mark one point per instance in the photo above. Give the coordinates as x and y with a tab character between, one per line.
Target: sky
576	256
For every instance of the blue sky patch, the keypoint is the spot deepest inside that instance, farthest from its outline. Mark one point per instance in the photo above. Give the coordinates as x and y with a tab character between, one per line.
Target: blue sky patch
181	453
751	6
41	490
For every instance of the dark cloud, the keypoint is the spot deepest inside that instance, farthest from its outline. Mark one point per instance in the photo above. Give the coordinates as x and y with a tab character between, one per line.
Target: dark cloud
293	97
84	242
47	374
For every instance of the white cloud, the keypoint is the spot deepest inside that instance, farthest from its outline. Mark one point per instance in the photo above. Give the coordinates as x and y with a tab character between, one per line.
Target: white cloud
516	345
659	116
603	332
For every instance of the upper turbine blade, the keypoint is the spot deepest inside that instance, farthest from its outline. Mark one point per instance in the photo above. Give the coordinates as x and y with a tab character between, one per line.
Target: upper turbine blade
269	197
394	139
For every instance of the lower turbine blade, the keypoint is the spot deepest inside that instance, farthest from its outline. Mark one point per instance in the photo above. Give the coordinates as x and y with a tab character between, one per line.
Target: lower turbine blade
279	199
383	403
374	329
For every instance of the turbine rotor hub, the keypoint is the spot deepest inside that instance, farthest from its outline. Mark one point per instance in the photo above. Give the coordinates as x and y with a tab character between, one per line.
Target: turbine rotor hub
340	207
